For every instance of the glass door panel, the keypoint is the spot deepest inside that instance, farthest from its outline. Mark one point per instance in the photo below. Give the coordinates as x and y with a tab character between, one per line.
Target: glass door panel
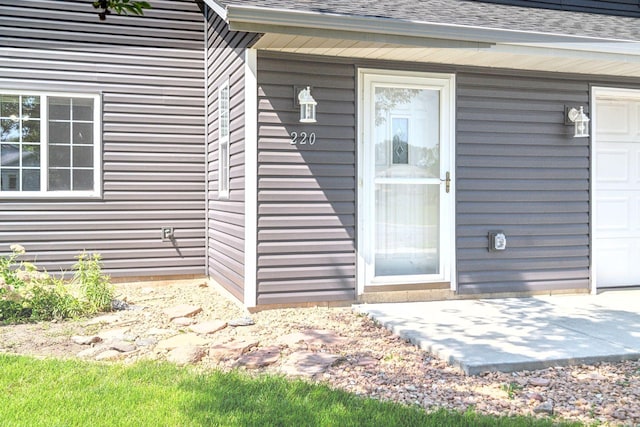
407	229
406	139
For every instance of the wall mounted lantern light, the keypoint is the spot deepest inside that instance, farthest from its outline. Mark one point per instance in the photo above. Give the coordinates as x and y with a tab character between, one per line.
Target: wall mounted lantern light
307	106
580	122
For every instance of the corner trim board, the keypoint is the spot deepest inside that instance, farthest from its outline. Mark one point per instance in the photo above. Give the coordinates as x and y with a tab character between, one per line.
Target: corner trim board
251	179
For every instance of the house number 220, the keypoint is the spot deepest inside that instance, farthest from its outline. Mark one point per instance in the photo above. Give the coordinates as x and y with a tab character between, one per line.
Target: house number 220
303	138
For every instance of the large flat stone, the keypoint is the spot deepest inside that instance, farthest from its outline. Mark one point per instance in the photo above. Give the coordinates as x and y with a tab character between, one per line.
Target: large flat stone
114	334
182	310
182	340
308	364
260	358
122	346
209	327
313	338
91	352
232	350
85	340
183	321
186	355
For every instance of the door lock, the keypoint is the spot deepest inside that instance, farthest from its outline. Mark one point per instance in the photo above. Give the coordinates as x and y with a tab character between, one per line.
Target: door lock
447	182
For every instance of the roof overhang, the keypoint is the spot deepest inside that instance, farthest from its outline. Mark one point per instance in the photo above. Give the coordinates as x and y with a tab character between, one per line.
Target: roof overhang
318	33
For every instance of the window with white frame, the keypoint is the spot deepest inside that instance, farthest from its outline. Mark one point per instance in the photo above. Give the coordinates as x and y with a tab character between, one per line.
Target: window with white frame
49	144
223	141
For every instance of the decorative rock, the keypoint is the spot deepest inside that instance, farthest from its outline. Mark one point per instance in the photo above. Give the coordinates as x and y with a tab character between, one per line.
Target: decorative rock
186	355
260	358
619	414
544	408
85	340
183	321
242	321
314	338
91	352
114	334
539	382
306	363
109	355
231	350
122	346
146	342
367	362
209	327
119	305
535	396
182	310
182	340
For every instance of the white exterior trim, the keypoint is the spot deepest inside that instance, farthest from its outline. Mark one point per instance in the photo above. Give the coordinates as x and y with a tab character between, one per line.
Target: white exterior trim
251	176
44	95
256	19
220	10
206	142
298	31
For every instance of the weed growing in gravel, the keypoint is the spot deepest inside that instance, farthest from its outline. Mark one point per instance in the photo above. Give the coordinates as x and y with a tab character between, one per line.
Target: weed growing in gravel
27	294
511	389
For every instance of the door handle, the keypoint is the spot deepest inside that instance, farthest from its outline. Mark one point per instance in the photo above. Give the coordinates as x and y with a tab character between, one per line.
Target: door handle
447	182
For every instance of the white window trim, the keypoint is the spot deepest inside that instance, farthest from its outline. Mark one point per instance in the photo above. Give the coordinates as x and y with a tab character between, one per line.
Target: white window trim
44	144
224	168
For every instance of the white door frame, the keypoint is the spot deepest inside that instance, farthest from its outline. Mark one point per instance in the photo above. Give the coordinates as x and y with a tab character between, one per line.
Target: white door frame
599	92
446	84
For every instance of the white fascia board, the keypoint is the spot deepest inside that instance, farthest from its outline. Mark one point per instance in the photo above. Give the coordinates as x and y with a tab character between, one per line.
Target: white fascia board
289	18
220	10
284	21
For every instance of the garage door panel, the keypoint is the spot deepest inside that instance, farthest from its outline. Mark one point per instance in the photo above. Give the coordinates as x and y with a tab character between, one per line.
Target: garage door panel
617	195
617	263
614	119
613	166
615	214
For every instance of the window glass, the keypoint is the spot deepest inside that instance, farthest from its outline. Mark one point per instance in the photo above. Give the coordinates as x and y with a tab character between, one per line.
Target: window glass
60	157
223	141
59	108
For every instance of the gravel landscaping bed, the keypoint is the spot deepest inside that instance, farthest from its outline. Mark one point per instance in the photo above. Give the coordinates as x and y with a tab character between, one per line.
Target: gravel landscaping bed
191	323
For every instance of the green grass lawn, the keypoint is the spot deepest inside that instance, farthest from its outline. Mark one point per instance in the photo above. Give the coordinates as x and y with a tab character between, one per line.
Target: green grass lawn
73	393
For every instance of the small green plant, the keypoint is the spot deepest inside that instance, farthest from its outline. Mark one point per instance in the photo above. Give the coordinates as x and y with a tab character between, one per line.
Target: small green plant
95	286
27	294
511	389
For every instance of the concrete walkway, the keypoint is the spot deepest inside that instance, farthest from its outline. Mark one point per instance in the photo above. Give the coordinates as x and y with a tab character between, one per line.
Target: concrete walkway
514	334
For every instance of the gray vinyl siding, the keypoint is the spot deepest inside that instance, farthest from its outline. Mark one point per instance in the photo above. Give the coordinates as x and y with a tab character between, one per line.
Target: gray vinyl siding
226	217
149	72
306	193
519	170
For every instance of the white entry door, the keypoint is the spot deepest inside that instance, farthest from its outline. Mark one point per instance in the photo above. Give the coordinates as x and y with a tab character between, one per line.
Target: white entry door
405	173
617	190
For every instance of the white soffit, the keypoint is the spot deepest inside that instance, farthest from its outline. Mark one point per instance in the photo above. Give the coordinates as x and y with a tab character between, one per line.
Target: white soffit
517	56
347	36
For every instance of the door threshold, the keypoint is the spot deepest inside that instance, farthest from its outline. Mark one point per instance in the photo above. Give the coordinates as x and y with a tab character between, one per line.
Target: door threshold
415	295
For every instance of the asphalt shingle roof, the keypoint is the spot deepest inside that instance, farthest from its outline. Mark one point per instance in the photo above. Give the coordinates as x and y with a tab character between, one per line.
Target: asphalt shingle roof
466	13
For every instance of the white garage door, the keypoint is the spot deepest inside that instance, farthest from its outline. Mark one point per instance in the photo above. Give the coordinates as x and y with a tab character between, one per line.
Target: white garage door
617	191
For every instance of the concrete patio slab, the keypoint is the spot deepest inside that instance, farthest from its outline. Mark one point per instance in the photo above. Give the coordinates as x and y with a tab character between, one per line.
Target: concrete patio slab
514	334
